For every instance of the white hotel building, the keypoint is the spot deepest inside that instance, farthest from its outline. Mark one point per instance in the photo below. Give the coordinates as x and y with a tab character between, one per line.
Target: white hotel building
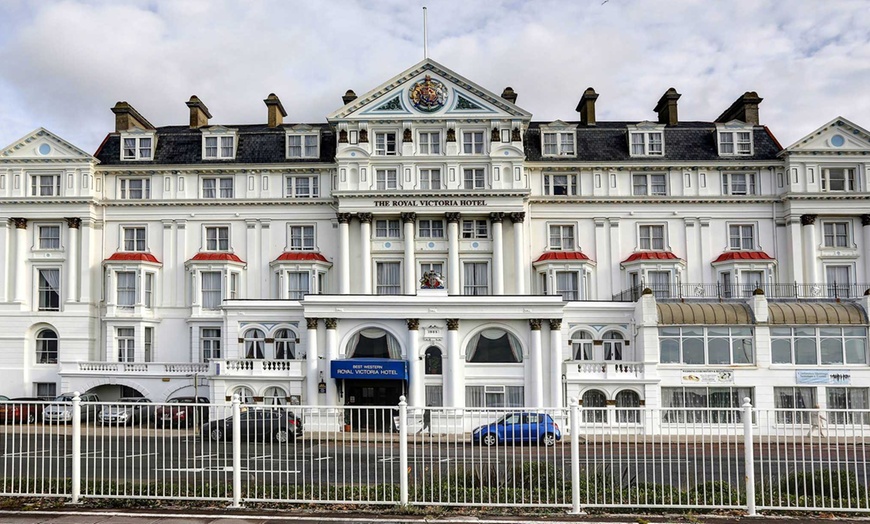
284	261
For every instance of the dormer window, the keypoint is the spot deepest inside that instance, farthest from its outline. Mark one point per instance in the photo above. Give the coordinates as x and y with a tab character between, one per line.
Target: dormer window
303	144
385	143
137	147
218	144
735	139
558	139
647	143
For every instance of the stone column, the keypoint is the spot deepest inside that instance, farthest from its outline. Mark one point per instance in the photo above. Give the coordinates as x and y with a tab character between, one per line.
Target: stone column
454	378
811	275
180	258
416	365
20	276
497	253
519	256
5	259
344	253
365	228
72	278
535	377
252	256
312	378
453	279
555	374
331	354
409	220
793	239
865	222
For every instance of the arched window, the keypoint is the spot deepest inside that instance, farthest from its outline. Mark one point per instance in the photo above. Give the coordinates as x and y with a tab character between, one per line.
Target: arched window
613	344
625	400
494	345
374	343
581	343
594	406
255	342
433	361
274	396
285	345
246	394
46	347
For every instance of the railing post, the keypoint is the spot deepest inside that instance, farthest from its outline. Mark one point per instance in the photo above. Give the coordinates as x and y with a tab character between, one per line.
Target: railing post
749	457
237	452
76	447
403	451
574	418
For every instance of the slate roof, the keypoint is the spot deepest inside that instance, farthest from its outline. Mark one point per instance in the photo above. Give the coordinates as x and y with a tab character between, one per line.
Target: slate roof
686	141
258	144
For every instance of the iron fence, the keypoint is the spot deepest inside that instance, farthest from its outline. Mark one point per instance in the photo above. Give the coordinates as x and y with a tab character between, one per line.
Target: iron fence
743	291
573	458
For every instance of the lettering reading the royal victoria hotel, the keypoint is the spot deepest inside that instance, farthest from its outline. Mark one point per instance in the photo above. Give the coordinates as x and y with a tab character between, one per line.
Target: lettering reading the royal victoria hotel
430	203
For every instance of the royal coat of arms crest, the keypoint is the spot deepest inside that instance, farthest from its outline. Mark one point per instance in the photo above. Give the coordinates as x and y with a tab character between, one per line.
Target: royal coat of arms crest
428	95
432	280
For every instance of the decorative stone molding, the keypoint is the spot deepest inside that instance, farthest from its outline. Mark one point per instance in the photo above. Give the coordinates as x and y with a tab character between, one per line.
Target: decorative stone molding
312	322
496	217
494	136
451	134
409	217
413	324
555	324
331	323
343	218
518	217
808	220
453	217
515	135
342	136
20	223
406	135
73	222
535	324
452	324
865	220
365	218
363	136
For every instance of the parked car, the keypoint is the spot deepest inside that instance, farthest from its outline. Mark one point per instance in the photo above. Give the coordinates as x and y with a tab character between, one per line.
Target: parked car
63	411
539	428
128	411
265	424
21	409
180	411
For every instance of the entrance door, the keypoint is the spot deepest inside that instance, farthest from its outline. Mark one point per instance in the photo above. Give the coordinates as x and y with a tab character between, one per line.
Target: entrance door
360	395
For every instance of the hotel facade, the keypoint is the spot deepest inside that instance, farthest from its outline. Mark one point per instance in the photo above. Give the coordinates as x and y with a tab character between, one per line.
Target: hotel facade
432	240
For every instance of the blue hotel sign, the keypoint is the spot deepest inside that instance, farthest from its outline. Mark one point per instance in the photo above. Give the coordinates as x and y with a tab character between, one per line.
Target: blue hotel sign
369	368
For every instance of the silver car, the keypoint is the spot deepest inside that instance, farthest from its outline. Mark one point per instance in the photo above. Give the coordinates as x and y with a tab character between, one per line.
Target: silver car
128	411
64	412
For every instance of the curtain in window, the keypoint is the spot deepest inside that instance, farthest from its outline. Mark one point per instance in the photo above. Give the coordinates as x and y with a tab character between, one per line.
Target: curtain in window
566	284
208	188
475	397
582	343
297	285
246	395
352	344
627	399
515	396
211	289
310	146
46	347
839	281
476	282
254	343
393	348
435	396
433	362
494	345
126	288
285	345
274	396
594	399
49	289
388	278
227	185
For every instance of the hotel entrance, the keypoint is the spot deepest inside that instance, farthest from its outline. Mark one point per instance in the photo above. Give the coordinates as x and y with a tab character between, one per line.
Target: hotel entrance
365	393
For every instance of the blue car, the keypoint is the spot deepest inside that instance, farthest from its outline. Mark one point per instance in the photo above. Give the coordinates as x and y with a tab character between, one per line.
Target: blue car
539	428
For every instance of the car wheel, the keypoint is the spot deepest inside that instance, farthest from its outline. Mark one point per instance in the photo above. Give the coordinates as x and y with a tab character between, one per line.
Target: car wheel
489	439
31	418
283	436
548	440
216	434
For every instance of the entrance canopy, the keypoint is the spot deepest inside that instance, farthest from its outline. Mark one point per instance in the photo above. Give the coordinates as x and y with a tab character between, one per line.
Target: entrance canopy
369	368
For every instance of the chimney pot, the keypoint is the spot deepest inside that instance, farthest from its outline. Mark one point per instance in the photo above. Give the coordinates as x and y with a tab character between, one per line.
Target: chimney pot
745	109
348	97
126	118
276	112
509	94
667	107
586	107
199	114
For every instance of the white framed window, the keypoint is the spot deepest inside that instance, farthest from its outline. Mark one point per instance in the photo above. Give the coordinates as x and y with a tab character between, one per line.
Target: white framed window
303	145
659	282
738	184
496	397
302	238
217	238
710	346
134	188
741	237
148	300
430	228
651	237
475	229
475	279
48	236
472	142
298	284
219	147
429	142
385	143
386	179
839	179
560	184
474	178
430	178
558	143
614	345
134	238
848	405
148	344
45	390
582	347
727	399
568	284
388	228
818	345
45	185
212	289
210	343
388	278
285	346
735	143
839	281
561	237
647	143
137	148
46	346
836	234
126	283
794	404
126	340
649	185
217	187
48	289
302	186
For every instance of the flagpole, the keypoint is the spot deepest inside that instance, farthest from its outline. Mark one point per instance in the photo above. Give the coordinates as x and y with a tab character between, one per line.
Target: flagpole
425	37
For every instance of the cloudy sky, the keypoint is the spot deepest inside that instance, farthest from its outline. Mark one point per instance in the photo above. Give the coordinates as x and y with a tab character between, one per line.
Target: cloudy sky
66	63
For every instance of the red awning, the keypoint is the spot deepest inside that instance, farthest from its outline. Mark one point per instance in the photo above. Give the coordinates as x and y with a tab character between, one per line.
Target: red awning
216	257
132	257
301	256
561	255
651	255
729	256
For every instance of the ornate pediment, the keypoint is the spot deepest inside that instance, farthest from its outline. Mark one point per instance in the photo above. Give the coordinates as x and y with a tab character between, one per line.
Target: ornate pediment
839	136
43	145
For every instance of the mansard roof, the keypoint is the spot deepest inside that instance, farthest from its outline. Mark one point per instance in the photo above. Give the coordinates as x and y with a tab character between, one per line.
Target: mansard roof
685	141
257	144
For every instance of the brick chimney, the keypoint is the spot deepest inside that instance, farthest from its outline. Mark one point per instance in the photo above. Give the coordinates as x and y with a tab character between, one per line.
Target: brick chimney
586	107
126	118
348	97
275	109
744	109
667	107
510	95
199	114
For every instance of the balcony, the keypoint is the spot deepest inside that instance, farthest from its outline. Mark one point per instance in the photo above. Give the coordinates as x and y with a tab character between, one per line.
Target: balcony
718	291
610	371
258	368
156	369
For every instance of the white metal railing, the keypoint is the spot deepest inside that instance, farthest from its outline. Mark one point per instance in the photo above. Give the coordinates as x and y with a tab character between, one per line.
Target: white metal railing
133	368
738	458
258	368
614	370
